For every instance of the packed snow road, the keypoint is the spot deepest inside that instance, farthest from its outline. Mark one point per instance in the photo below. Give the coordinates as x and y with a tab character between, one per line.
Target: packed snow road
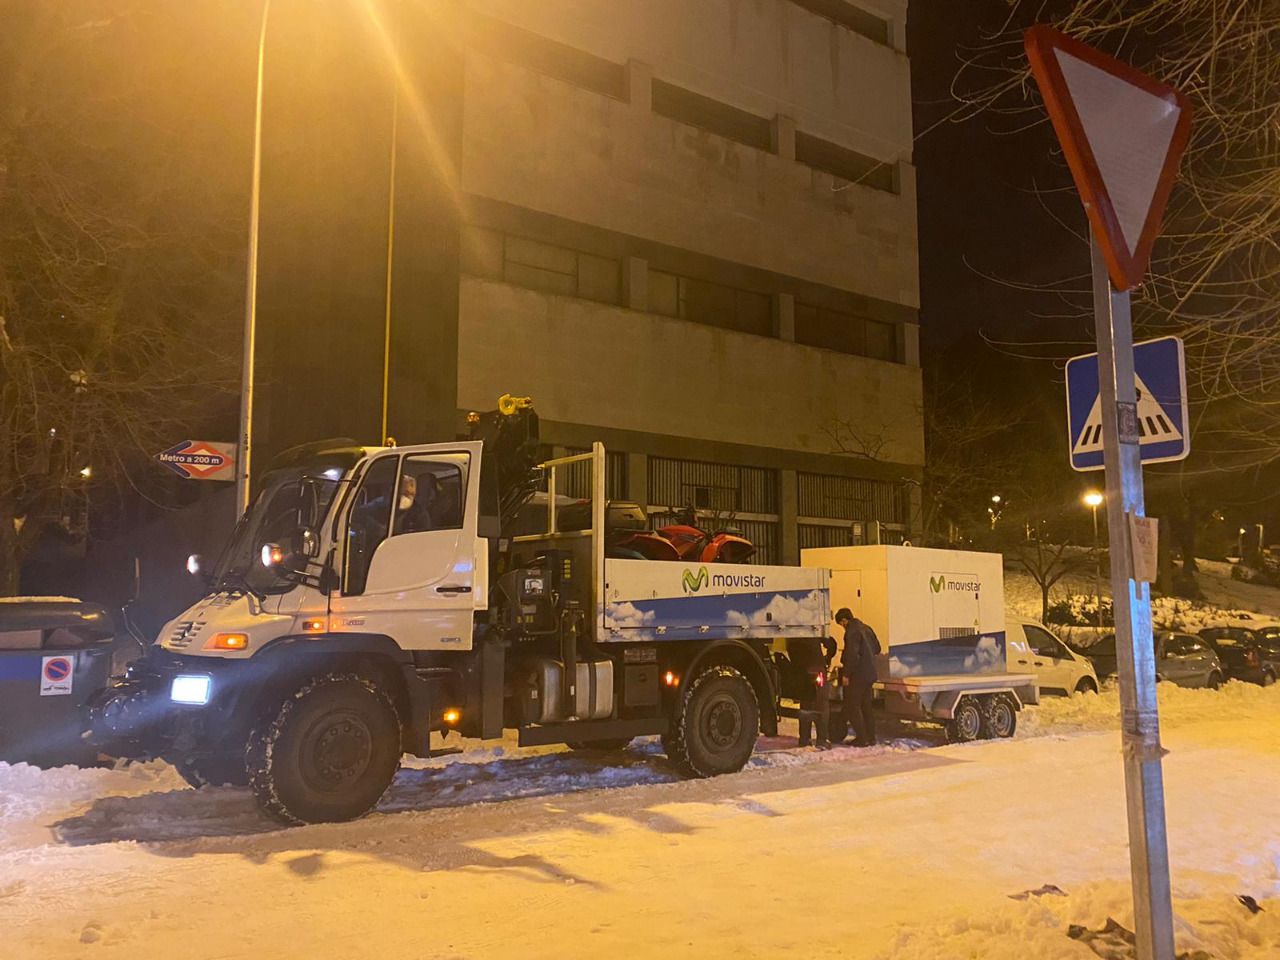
912	850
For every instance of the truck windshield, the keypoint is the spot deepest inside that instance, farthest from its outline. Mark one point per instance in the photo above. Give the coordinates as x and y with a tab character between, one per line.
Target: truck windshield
289	502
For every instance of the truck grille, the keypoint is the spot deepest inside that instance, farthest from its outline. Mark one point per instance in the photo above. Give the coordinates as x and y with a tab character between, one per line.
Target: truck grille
183	633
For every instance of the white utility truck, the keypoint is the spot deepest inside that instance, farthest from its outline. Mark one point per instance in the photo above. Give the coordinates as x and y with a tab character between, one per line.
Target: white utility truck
940	618
372	596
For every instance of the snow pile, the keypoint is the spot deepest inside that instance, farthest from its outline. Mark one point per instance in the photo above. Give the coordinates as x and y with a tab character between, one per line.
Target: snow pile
30	796
1217	926
1178	706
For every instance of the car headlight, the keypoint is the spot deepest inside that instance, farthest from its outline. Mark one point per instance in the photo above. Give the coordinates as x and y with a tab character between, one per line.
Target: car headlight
191	689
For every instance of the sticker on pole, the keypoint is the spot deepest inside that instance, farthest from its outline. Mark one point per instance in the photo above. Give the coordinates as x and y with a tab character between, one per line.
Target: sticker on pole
1160	418
57	674
1122	133
201	460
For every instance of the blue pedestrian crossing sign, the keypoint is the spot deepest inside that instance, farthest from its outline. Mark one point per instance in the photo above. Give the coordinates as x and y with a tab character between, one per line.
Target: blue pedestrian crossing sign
1160	374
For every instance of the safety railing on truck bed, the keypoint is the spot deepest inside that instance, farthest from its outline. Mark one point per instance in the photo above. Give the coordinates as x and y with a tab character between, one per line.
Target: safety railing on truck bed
596	532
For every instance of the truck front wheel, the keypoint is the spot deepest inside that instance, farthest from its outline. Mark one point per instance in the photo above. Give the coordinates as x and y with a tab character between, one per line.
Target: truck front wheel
329	754
717	726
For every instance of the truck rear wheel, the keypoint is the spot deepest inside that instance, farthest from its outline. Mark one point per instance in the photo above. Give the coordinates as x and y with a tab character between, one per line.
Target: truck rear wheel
966	722
717	725
329	754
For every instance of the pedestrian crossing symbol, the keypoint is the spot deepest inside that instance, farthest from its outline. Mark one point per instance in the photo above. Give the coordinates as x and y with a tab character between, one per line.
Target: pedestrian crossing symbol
1161	421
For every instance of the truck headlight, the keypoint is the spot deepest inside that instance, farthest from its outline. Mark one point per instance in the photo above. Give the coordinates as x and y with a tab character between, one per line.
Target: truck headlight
191	689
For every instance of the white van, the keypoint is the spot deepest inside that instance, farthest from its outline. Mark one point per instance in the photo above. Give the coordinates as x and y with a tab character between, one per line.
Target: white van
1031	648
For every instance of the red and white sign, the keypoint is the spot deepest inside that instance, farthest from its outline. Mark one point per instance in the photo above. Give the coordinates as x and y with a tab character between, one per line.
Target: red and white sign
1123	134
201	460
57	675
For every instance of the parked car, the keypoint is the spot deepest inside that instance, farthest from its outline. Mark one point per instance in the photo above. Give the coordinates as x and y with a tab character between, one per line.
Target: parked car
1031	648
1240	651
1181	658
1269	646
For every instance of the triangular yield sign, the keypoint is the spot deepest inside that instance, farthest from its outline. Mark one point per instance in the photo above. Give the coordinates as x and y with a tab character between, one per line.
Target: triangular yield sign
1123	134
1154	424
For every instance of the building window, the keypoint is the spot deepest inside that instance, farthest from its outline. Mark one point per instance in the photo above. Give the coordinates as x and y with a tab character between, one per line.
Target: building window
540	266
717	305
846	164
574	480
846	333
847	15
685	106
503	41
832	497
719	488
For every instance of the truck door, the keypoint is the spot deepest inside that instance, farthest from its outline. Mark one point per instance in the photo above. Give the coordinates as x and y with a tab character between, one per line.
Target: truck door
410	554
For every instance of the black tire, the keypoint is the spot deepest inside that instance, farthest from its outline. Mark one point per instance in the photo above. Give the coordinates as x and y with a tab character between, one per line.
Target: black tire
1086	685
967	723
717	724
329	754
1215	681
1268	678
999	717
600	746
215	770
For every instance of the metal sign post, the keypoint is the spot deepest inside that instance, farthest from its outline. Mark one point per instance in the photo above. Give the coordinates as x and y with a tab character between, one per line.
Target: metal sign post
1122	133
1135	649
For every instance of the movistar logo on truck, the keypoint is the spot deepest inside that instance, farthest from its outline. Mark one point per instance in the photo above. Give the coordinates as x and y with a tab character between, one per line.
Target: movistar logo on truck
693	582
954	583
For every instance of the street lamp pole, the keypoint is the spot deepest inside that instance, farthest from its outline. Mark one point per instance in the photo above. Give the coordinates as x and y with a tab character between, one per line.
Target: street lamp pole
1093	499
251	287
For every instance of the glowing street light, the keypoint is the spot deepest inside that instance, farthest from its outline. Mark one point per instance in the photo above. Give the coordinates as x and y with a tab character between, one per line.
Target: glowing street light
1093	500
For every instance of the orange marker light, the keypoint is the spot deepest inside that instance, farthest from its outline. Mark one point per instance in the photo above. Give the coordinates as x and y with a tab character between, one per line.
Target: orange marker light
452	716
670	679
228	641
313	626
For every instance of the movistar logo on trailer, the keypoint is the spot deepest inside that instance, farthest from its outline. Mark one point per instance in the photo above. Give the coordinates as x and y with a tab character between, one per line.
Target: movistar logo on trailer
693	582
963	583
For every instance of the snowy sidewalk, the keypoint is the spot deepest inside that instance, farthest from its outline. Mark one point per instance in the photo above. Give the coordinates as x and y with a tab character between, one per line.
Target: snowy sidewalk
904	852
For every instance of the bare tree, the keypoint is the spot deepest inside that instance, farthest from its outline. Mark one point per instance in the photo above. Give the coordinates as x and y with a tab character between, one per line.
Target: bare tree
110	325
1215	275
1047	564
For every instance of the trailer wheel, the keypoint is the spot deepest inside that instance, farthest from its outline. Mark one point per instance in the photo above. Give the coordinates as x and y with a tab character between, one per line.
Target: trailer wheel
966	723
999	716
717	724
216	770
600	746
329	754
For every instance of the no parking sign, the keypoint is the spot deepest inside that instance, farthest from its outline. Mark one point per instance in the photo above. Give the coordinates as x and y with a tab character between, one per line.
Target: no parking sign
56	675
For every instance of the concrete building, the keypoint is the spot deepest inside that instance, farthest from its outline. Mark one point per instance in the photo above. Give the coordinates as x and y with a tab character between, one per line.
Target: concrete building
687	229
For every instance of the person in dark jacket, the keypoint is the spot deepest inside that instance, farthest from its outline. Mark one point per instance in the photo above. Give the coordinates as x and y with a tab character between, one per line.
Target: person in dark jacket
858	675
812	658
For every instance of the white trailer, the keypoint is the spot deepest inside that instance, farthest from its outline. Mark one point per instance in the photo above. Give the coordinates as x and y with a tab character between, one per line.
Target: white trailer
939	615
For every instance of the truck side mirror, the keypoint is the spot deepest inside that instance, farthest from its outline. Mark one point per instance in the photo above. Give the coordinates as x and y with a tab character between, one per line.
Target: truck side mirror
308	542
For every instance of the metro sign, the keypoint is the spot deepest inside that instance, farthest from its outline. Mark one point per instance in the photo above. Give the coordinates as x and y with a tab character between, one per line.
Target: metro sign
1122	133
201	460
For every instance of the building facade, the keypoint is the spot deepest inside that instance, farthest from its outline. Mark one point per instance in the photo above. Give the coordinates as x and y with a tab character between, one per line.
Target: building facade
685	229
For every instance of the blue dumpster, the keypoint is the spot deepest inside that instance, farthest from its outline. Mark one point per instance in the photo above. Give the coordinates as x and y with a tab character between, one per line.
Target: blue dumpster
54	655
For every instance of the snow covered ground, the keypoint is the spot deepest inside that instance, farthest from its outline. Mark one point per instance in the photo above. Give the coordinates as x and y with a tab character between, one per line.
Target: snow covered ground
910	850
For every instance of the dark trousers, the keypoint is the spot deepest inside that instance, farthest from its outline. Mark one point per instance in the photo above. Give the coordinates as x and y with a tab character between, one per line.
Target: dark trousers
857	711
813	713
